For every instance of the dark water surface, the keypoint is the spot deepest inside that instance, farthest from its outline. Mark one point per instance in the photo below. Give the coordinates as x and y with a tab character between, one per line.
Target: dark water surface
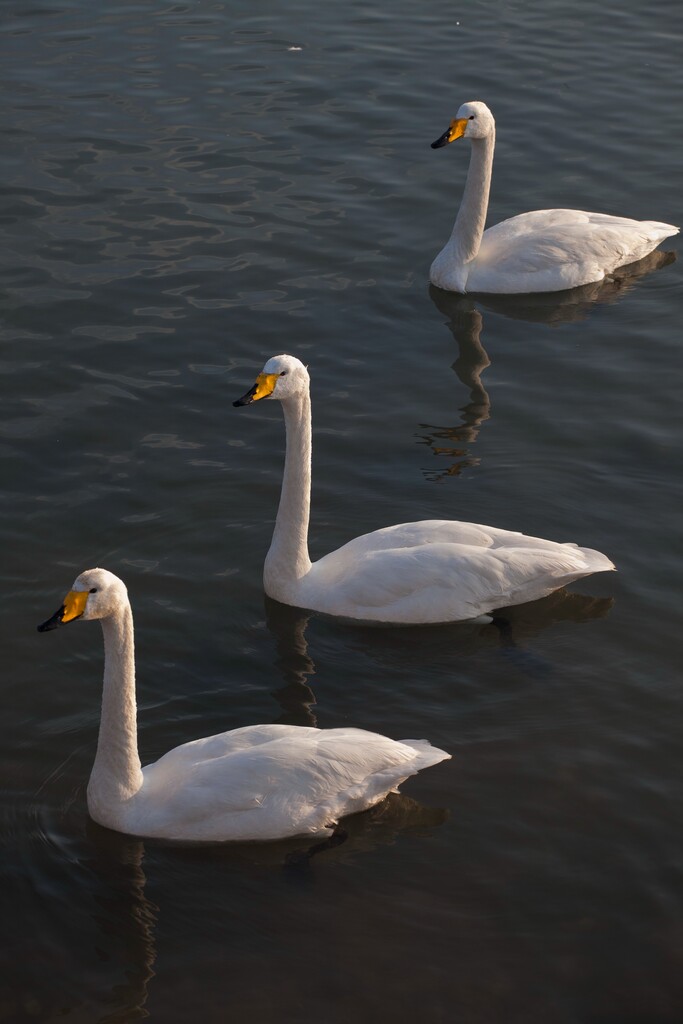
186	190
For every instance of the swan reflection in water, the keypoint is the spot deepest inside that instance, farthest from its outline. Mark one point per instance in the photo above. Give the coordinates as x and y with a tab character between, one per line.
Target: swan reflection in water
402	648
206	883
465	322
126	916
288	626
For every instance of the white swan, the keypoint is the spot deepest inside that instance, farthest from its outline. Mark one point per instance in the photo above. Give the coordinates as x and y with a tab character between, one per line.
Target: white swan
259	782
432	571
542	251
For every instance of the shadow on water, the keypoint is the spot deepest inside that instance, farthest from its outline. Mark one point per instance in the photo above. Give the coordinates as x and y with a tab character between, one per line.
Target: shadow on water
466	321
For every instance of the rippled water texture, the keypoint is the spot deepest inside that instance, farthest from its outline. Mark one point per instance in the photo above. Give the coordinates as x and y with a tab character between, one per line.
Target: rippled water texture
187	189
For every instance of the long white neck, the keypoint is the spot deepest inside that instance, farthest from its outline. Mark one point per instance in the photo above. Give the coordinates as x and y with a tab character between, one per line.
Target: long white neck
469	224
116	775
287	560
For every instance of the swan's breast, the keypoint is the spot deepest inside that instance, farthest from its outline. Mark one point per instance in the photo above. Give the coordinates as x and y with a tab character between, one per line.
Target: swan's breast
448	271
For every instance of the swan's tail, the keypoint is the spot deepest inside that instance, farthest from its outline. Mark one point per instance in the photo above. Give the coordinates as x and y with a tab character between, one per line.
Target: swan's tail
427	755
596	561
658	231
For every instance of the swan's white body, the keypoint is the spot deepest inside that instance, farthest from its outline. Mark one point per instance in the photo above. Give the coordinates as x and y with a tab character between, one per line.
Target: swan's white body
260	782
426	572
541	251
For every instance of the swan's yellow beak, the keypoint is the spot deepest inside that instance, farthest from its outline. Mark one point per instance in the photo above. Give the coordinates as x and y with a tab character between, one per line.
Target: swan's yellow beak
263	388
455	131
73	607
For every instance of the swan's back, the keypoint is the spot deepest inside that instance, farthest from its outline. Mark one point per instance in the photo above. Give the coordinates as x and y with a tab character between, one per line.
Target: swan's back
441	571
273	781
552	250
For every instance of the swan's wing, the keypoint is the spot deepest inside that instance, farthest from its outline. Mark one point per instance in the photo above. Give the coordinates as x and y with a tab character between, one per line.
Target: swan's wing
210	749
208	772
349	770
441	571
555	249
265	782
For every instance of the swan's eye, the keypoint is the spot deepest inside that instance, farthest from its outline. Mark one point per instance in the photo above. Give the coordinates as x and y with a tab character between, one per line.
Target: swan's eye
284	373
93	590
471	117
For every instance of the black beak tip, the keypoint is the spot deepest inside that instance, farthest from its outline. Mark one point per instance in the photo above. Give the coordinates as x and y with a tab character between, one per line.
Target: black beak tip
248	398
51	623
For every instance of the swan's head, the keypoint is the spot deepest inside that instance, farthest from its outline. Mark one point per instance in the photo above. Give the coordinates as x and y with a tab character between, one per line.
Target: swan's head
95	594
282	377
474	120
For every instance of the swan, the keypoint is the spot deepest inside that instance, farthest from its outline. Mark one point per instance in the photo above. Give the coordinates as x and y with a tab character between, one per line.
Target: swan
428	572
255	783
541	251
